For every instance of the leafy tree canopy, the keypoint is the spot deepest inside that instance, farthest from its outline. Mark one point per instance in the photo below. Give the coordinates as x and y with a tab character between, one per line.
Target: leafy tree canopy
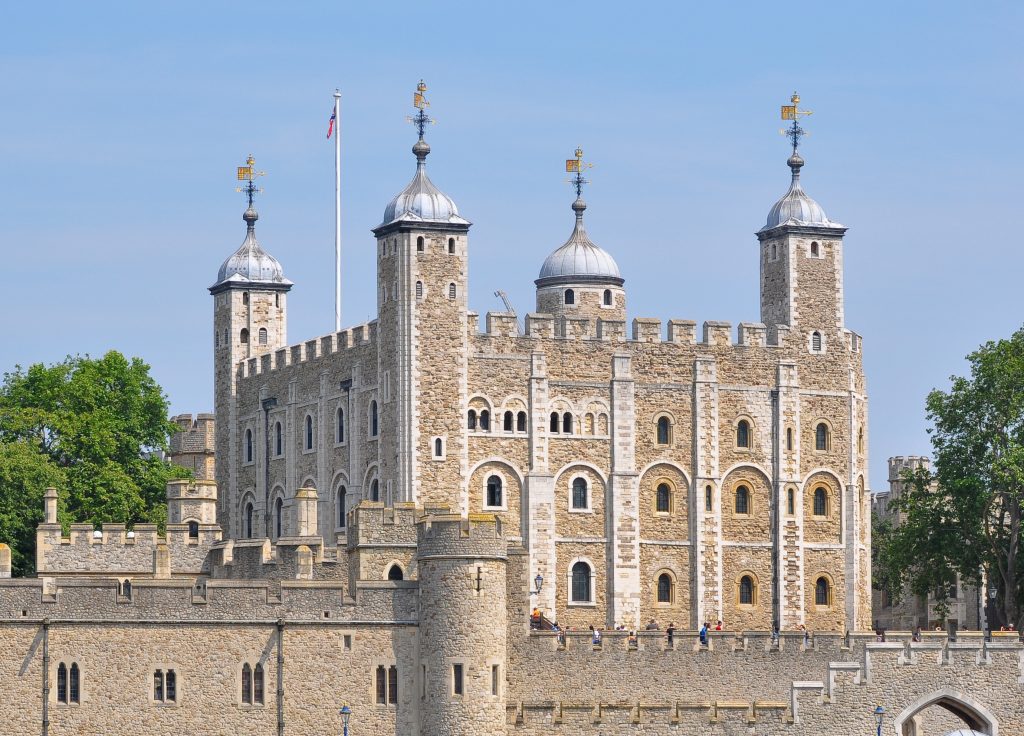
966	519
94	428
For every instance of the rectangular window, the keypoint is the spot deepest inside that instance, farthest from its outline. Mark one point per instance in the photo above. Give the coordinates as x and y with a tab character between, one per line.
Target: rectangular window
494	679
347	642
457	684
171	687
423	682
382	685
257	685
393	685
158	686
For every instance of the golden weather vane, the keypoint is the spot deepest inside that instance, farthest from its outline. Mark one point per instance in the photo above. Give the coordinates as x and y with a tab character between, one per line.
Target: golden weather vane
419	101
248	174
793	112
577	166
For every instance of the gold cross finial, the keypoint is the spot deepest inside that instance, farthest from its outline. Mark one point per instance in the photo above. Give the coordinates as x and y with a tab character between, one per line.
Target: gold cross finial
577	166
793	111
248	174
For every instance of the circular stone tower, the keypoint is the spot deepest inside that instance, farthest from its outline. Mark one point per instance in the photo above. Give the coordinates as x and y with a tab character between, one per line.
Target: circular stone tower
463	624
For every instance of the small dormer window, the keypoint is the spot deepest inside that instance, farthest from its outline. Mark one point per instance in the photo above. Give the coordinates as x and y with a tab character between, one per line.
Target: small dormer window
570	296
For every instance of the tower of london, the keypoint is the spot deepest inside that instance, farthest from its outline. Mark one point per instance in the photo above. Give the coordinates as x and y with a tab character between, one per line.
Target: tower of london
423	520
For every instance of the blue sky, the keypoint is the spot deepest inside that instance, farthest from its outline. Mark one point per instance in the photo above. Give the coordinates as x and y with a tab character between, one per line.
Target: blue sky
123	123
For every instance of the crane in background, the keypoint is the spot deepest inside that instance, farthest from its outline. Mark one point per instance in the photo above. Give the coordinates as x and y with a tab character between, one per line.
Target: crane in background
509	308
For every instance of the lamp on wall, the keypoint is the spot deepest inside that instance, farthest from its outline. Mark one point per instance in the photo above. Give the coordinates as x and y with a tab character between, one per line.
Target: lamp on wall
345	712
538	582
879	716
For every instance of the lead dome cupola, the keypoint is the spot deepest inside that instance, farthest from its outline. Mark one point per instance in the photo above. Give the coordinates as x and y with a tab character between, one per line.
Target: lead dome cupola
579	260
250	264
421	200
796	207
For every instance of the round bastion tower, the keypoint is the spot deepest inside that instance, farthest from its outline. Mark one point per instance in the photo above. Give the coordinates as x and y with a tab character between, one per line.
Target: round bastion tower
463	624
249	320
580	280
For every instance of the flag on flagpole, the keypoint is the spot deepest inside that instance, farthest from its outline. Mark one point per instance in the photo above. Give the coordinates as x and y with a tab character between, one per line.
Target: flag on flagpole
330	125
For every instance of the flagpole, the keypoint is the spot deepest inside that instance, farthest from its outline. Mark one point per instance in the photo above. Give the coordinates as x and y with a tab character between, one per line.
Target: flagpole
337	211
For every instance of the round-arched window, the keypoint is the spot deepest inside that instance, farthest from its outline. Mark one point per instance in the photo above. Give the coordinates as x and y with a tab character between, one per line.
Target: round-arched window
581	588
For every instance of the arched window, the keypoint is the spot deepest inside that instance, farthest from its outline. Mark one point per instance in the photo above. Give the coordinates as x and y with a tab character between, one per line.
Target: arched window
485	420
775	251
309	432
278	440
822	592
860	440
451	291
746	591
664	431
395	573
278	516
257	684
126	589
607	297
158	686
193	530
277	300
375	490
419	289
664	588
471	419
248	445
663	498
581	589
263	336
451	245
248	520
743	433
419	244
580	498
816	341
245	297
62	683
789	502
494	492
708	498
243	336
742	500
508	422
373	419
602	424
820	502
74	686
567	423
339	421
789	439
438	447
588	423
570	296
247	684
342	505
521	421
821	437
554	422
814	248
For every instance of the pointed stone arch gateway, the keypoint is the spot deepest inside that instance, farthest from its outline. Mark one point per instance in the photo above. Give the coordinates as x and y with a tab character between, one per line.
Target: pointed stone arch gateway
975	715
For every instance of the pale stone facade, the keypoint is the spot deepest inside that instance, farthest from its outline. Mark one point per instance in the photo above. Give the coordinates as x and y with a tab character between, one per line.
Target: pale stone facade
392	501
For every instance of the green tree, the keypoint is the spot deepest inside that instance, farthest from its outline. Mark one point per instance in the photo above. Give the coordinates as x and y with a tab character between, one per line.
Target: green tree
967	518
98	427
25	473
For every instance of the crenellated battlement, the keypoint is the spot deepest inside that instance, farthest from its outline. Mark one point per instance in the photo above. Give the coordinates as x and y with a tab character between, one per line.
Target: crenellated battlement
642	330
901	463
359	336
441	533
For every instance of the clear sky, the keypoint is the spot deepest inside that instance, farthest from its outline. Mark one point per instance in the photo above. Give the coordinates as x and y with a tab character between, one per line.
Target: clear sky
122	126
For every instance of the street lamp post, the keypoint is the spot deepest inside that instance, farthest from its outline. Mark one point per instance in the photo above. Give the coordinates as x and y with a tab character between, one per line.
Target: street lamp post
879	715
345	712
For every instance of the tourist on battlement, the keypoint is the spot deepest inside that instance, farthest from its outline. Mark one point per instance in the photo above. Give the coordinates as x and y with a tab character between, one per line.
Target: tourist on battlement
670	634
652	625
596	635
704	634
718	626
